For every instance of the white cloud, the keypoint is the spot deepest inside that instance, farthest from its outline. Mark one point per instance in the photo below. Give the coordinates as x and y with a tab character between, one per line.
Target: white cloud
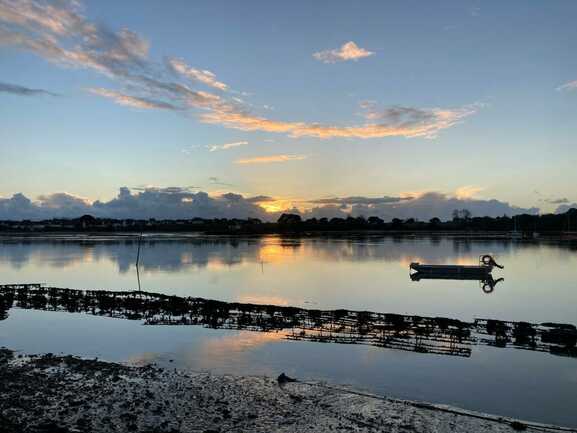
570	86
270	159
348	51
202	76
226	146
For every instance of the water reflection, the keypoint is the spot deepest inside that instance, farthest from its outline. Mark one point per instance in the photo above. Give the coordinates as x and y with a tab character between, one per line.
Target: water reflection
355	272
175	254
433	335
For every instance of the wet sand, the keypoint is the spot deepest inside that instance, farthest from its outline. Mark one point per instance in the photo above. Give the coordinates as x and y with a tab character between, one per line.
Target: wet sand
64	394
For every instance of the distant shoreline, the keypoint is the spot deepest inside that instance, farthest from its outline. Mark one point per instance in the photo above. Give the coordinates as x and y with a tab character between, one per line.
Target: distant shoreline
518	226
131	236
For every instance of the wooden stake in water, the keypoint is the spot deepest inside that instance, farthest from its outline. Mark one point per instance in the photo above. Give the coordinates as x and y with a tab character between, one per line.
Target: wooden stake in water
138	260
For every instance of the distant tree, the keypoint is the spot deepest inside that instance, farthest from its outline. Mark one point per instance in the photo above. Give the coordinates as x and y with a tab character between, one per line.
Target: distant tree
87	218
374	220
435	221
86	221
289	218
461	214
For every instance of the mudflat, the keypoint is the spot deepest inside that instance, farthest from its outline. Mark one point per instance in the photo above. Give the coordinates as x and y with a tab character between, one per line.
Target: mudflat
64	394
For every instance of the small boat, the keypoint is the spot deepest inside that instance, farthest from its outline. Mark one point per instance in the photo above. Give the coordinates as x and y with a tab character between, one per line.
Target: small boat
486	265
482	272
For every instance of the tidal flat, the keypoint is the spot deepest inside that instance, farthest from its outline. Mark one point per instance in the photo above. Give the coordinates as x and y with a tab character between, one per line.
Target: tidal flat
65	394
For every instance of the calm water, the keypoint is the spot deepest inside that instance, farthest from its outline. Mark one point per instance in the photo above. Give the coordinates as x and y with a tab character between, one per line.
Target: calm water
351	273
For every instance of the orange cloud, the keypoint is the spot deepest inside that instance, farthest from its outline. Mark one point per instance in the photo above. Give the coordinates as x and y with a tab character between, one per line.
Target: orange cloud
132	101
466	192
436	120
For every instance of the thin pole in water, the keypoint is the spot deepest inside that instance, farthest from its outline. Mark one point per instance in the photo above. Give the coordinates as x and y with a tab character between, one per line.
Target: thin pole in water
138	260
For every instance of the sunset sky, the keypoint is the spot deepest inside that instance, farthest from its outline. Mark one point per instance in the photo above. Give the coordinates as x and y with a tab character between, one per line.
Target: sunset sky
306	104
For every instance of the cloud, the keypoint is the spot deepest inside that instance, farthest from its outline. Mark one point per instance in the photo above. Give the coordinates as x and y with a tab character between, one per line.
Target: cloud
176	93
422	206
166	190
390	122
133	101
183	203
203	76
15	89
469	191
260	199
355	200
270	159
62	199
50	17
217	181
58	32
326	211
226	146
562	200
20	207
348	51
436	204
565	207
141	203
570	86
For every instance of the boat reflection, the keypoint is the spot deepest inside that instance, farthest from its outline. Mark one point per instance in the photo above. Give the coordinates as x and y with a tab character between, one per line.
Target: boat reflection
480	272
487	283
433	335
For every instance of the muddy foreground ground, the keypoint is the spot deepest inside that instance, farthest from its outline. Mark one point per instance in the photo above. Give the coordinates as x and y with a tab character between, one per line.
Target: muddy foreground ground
63	394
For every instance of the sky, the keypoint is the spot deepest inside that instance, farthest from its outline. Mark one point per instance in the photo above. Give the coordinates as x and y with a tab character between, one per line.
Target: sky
226	108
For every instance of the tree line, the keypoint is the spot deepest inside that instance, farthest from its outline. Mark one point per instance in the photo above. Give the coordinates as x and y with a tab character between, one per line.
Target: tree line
462	221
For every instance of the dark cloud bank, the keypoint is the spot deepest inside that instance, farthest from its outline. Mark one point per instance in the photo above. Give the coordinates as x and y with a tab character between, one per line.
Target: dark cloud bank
182	203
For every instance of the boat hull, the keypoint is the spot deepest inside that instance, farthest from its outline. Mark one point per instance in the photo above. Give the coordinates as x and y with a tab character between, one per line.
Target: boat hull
451	270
